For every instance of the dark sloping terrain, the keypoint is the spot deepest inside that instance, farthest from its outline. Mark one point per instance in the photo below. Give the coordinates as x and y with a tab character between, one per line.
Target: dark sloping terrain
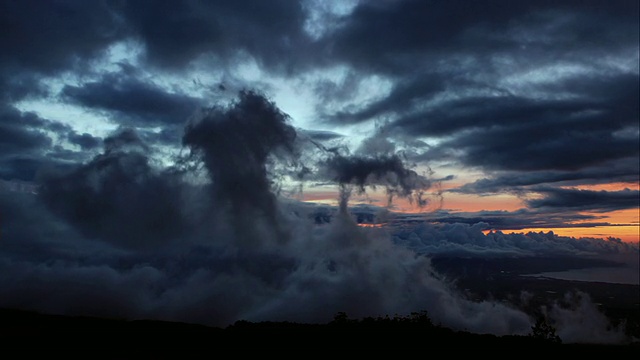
34	333
499	279
506	279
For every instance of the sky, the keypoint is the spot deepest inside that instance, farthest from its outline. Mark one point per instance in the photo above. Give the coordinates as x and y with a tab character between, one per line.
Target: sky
212	160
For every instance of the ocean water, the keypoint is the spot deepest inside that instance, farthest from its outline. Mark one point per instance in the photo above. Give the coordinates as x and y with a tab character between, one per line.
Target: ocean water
616	275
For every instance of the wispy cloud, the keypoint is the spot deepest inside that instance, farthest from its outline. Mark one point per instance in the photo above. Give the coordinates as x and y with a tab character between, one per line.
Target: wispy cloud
179	213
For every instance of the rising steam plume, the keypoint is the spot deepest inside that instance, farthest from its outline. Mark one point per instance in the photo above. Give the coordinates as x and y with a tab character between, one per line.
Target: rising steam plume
123	236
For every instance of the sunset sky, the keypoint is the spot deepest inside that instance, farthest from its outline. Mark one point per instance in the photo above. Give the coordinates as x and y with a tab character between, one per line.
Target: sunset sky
133	131
512	106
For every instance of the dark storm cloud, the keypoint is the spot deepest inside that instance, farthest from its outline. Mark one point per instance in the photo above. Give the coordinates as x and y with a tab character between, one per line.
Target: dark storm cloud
448	60
171	34
514	149
243	137
603	104
118	234
85	141
22	167
20	134
585	200
26	143
123	140
29	144
387	171
623	170
22	239
40	39
404	93
384	36
118	196
174	33
122	236
389	36
522	134
18	86
46	36
133	100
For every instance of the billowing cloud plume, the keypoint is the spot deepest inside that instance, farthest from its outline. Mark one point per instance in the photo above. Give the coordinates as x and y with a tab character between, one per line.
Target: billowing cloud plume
235	146
118	196
165	222
388	172
122	236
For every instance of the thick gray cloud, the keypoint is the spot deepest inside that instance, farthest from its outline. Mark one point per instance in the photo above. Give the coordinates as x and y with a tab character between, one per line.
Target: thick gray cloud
607	106
362	172
623	170
48	39
564	32
48	36
27	143
452	70
175	33
132	100
543	94
391	36
40	39
585	200
118	196
497	133
85	141
19	133
404	93
243	138
202	241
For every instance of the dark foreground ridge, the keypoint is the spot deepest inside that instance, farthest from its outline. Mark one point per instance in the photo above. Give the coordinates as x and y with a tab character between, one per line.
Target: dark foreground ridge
114	338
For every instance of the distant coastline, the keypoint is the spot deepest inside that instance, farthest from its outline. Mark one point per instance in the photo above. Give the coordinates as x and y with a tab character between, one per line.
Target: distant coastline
625	275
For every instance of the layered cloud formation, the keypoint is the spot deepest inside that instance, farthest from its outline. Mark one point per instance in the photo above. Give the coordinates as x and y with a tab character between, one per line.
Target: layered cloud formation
209	240
151	153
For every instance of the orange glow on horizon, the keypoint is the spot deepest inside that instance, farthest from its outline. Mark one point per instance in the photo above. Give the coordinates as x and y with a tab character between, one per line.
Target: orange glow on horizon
628	234
367	225
608	187
624	224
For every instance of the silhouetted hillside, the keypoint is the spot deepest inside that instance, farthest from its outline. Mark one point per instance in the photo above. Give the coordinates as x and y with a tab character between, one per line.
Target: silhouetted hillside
113	338
504	279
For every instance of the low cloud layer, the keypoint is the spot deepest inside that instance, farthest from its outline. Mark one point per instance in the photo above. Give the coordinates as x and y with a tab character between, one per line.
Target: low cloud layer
141	176
122	236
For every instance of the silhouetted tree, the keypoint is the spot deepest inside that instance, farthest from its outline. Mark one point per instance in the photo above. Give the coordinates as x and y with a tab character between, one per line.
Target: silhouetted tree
544	331
340	318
